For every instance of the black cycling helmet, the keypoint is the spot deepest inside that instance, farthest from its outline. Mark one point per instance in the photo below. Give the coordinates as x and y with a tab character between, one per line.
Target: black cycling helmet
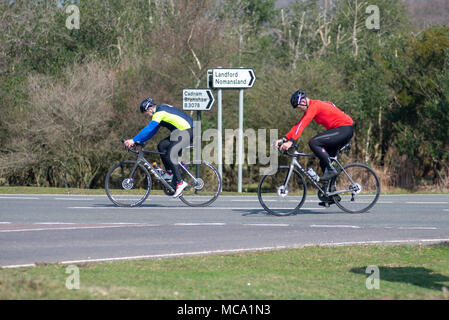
145	104
297	97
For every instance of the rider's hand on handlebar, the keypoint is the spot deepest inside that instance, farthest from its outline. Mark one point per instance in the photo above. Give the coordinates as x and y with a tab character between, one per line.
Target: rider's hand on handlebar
129	143
286	145
278	143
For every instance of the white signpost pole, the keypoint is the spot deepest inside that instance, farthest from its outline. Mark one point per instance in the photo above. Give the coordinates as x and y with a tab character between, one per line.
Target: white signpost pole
220	132
240	150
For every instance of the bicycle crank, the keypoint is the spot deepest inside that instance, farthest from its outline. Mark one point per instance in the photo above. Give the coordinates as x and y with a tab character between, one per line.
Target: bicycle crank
356	188
283	191
322	197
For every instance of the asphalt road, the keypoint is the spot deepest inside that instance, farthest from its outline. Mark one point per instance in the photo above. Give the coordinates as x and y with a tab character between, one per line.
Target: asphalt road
74	228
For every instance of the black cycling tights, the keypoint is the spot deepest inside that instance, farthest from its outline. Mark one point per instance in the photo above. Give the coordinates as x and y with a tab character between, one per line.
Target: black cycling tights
172	147
326	144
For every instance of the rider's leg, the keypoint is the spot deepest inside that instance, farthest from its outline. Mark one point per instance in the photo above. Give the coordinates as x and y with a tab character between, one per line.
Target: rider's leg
163	147
326	144
178	140
317	145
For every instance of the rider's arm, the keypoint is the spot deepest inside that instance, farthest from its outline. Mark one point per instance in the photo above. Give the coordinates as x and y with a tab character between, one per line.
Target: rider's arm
147	133
297	130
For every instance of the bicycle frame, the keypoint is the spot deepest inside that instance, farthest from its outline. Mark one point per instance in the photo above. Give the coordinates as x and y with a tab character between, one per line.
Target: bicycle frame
295	163
141	159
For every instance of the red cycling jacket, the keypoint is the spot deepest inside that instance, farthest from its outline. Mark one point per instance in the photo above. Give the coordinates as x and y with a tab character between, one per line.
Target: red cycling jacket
324	113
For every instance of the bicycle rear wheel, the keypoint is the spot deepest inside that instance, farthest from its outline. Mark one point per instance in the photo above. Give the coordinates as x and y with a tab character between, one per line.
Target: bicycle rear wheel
360	194
202	189
280	199
128	184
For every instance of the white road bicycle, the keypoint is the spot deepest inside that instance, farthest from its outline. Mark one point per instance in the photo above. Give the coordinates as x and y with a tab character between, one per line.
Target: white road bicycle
282	191
128	183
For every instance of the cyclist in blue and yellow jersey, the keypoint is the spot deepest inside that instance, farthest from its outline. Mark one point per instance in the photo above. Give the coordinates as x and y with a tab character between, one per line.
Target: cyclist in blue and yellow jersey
181	127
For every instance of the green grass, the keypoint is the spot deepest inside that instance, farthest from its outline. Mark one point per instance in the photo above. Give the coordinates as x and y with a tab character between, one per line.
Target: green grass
406	272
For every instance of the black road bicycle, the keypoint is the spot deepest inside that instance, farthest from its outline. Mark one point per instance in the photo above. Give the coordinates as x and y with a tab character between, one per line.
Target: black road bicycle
128	183
282	191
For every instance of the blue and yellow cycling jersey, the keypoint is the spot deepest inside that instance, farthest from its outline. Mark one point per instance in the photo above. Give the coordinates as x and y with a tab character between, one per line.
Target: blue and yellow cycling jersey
166	116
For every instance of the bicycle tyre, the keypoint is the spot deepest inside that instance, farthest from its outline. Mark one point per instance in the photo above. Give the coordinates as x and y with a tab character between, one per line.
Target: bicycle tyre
363	177
268	192
117	188
208	189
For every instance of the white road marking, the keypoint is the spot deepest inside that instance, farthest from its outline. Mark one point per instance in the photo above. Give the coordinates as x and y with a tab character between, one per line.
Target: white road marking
200	224
14	266
53	223
383	242
427	202
267	224
417	228
167	208
79	228
20	198
333	226
74	199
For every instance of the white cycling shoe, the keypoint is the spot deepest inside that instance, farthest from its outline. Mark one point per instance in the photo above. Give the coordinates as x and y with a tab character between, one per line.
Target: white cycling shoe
179	188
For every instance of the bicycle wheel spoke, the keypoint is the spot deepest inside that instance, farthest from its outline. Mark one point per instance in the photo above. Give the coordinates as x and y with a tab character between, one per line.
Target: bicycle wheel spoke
127	188
203	188
278	198
361	193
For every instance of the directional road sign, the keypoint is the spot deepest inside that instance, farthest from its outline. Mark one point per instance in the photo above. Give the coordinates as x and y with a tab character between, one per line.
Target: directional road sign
240	78
197	99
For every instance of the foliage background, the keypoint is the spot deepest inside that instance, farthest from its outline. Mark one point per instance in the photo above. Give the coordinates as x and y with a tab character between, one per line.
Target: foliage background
68	96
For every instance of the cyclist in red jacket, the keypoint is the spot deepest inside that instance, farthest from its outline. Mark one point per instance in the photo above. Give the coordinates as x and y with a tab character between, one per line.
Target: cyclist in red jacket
337	123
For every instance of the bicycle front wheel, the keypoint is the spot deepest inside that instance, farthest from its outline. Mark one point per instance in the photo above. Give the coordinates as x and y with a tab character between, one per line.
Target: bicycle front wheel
128	184
359	188
204	184
279	196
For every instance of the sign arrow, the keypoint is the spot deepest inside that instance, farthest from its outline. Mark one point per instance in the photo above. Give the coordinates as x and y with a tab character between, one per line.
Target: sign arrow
211	99
253	77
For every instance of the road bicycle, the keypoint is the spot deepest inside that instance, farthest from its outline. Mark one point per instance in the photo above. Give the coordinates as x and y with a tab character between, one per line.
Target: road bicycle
128	183
282	191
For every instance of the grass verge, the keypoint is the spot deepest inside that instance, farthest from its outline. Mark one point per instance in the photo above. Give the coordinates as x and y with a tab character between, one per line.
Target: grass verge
405	272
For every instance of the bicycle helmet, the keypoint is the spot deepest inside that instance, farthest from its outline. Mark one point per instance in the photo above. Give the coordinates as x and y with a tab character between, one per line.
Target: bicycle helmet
145	104
297	97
